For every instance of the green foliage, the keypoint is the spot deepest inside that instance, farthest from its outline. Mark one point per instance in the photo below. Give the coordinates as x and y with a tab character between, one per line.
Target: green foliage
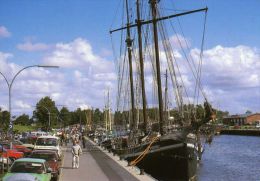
220	115
98	117
46	113
248	112
22	128
4	118
23	120
65	116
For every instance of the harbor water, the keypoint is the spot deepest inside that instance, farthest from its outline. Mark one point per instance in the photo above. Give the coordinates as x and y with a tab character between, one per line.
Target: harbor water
231	158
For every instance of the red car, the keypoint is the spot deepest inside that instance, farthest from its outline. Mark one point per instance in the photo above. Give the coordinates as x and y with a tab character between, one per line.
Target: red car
17	147
51	157
11	153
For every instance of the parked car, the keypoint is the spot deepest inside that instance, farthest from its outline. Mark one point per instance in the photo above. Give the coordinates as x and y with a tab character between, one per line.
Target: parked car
11	153
17	147
29	169
29	142
5	161
51	157
48	143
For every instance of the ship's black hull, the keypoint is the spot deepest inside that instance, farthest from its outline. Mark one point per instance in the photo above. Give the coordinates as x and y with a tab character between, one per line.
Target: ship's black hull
168	159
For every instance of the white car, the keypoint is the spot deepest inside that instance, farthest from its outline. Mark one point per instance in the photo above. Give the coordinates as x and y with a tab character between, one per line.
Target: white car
48	143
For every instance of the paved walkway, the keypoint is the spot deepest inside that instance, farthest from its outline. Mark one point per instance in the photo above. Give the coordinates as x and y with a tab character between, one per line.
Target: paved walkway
94	166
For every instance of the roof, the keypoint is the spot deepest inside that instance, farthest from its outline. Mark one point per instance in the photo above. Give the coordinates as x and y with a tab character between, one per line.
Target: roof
240	115
30	160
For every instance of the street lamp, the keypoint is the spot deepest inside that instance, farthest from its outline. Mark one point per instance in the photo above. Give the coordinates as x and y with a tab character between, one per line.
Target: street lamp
10	88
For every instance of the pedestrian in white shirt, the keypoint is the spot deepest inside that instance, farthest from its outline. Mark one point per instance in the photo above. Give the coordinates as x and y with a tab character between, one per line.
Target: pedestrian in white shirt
76	152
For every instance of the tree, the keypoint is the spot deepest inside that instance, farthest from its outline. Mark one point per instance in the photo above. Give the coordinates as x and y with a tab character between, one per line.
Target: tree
64	116
46	108
98	117
4	120
22	120
249	112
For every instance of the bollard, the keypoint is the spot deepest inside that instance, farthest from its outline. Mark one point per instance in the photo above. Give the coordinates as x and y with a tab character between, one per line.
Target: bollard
141	171
2	165
7	161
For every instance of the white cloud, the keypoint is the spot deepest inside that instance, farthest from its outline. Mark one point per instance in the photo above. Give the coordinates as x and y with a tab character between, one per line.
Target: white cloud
4	33
106	52
79	54
232	66
29	86
178	41
31	47
22	105
232	77
87	73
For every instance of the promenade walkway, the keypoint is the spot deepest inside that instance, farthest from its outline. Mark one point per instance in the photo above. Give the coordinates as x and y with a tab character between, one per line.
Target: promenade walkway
95	165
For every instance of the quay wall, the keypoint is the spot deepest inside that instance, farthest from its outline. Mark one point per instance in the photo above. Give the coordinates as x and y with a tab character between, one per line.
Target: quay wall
242	132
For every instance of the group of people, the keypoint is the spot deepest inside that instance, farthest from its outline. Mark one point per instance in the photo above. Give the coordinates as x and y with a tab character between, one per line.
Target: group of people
75	136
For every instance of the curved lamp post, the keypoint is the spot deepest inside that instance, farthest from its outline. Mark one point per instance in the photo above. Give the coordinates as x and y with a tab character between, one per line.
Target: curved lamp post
10	89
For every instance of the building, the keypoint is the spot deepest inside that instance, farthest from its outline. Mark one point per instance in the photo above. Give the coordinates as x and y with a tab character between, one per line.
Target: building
242	119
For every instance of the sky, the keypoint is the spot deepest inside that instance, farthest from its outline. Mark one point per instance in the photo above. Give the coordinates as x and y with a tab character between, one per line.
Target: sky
74	35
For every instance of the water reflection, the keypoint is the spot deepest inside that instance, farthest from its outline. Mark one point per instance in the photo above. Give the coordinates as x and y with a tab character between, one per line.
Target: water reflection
231	158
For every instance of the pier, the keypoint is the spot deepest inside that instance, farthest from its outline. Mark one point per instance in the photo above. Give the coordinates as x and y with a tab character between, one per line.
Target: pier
97	164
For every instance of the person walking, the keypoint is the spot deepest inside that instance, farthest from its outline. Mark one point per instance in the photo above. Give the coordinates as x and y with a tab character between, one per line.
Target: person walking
76	152
84	140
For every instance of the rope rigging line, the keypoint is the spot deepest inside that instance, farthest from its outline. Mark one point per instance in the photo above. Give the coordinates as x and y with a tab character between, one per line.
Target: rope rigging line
121	78
201	53
198	71
169	55
144	153
189	48
115	15
169	48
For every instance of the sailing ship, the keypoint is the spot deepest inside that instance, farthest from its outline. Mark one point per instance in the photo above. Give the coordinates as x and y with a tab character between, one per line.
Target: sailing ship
172	151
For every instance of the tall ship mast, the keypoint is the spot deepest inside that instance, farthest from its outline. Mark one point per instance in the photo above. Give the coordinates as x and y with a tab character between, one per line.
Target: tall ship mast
168	152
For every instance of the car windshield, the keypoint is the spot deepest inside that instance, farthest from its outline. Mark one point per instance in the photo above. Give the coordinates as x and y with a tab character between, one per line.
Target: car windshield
45	156
17	142
28	140
47	142
27	167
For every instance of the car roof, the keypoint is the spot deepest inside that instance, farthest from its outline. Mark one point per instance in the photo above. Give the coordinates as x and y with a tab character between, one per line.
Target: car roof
30	160
49	137
44	151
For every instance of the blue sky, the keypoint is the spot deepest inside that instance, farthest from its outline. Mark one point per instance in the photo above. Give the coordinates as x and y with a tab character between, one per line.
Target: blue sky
37	32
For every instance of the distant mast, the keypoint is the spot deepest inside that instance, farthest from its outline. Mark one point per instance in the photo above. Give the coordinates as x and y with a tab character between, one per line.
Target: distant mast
129	49
139	30
166	96
157	59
